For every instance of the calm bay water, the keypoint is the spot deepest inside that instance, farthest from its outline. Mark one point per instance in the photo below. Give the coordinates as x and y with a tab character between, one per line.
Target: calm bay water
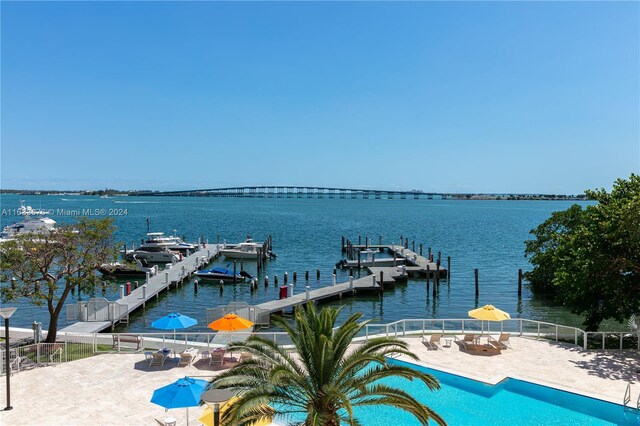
488	235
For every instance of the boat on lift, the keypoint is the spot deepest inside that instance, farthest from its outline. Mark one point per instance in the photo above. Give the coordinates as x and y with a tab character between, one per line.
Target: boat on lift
219	273
126	270
245	250
158	253
173	242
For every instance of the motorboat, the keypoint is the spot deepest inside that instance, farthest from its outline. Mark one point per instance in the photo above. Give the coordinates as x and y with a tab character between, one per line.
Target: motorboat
173	242
245	250
124	270
159	253
222	274
33	221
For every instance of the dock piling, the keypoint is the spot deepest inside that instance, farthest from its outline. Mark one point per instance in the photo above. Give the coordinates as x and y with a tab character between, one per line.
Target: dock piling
275	280
475	273
448	269
295	277
413	246
420	249
380	240
286	277
334	279
306	275
266	281
381	281
318	272
519	284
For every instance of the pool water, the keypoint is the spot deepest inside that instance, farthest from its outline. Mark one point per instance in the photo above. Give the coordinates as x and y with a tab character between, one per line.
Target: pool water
462	401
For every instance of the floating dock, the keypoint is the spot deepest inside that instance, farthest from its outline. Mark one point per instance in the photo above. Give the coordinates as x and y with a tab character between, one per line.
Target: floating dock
121	308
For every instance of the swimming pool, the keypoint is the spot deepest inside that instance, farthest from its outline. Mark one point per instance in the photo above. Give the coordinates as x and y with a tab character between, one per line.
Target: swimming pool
462	401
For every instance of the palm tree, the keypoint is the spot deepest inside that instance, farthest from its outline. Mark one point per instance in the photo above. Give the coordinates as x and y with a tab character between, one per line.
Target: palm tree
326	377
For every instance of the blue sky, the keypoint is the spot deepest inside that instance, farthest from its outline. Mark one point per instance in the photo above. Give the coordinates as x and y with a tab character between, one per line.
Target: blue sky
460	97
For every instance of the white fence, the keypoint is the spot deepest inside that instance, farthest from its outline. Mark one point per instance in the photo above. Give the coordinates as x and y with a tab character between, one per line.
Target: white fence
71	346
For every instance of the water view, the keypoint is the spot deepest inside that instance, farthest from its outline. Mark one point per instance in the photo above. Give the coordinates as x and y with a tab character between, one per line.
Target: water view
484	234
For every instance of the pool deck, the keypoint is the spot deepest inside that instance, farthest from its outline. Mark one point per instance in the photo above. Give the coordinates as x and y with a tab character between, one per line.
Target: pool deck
115	389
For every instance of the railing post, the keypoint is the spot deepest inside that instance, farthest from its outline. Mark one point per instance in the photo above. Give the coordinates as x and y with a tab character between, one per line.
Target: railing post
538	331
584	343
38	353
462	326
442	326
621	337
603	340
556	332
387	329
575	335
404	328
66	352
520	326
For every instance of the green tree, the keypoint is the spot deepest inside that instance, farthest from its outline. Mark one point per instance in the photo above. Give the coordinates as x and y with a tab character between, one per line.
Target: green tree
588	259
47	266
326	377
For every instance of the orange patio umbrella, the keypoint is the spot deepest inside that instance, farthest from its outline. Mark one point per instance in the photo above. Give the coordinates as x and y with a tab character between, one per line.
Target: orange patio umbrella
230	322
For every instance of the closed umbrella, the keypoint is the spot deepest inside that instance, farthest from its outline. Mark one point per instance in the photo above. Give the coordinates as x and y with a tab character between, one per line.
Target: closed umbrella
183	393
174	321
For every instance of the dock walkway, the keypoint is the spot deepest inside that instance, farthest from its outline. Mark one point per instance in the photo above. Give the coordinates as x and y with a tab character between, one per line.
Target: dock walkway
360	284
138	297
416	264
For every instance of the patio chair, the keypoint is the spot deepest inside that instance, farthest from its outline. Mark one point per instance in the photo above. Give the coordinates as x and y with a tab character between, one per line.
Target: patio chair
217	357
157	359
433	342
187	357
467	340
245	356
502	342
15	364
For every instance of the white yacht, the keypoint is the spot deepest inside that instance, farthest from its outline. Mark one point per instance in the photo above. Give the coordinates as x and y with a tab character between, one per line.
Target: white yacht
246	250
158	253
33	221
174	243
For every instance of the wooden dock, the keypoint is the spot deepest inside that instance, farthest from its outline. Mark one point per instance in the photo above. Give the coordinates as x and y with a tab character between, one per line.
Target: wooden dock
416	264
140	296
300	294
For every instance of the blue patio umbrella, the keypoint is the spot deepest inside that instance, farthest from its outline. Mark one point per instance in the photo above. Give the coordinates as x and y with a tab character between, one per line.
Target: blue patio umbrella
183	393
174	321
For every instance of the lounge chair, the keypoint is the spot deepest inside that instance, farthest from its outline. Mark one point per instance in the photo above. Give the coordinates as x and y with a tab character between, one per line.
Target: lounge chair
187	357
502	342
433	342
217	357
467	340
245	356
157	359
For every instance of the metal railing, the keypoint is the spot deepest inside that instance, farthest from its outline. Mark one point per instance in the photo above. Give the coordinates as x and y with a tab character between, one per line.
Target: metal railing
72	346
97	309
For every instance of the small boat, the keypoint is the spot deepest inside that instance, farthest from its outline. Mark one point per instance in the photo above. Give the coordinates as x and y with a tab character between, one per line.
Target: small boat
222	274
123	270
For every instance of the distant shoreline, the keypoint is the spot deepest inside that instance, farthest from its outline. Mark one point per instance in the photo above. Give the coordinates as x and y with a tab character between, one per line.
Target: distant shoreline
449	196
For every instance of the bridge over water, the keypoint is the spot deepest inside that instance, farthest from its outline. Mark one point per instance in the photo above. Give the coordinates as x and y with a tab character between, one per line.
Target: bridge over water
327	192
303	192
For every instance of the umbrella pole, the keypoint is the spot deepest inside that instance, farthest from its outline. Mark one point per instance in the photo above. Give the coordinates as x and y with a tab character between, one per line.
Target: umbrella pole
187	416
